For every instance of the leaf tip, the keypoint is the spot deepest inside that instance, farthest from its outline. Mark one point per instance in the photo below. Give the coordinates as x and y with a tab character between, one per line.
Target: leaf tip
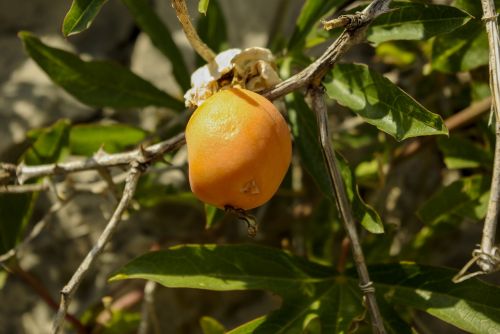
118	277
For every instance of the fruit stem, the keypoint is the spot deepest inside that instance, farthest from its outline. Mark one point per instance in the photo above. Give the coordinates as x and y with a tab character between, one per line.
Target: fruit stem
194	39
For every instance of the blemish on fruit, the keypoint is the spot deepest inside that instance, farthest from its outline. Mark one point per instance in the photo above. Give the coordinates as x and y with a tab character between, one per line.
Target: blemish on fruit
251	188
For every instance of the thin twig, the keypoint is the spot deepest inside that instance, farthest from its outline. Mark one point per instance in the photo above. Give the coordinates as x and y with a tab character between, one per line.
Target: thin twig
37	286
487	256
142	155
366	285
487	260
194	39
68	291
147	311
315	72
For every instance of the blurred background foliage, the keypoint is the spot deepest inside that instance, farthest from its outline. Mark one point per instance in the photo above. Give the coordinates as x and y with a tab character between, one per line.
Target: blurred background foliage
409	113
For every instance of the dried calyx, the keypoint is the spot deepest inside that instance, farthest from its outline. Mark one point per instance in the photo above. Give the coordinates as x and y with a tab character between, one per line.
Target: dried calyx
253	69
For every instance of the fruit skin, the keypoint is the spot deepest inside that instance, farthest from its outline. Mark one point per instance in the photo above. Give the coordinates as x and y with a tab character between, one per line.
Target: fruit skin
239	149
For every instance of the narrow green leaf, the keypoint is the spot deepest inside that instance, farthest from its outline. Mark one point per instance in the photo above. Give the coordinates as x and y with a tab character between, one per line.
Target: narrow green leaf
15	209
203	6
382	103
87	139
363	213
96	83
80	16
212	215
212	29
306	135
415	21
462	153
311	291
211	326
461	50
392	321
307	289
472	305
312	11
149	22
306	138
226	268
460	199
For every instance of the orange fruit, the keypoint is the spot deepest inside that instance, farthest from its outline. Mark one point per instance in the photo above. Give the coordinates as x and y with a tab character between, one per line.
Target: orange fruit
239	149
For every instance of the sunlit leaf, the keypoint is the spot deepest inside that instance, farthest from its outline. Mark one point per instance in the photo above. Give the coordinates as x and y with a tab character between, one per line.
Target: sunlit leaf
211	326
306	135
461	50
312	291
87	139
363	213
381	103
203	6
460	199
96	83
415	21
462	153
80	16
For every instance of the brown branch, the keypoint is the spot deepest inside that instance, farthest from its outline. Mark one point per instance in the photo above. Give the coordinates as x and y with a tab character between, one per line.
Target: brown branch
314	73
37	286
194	39
366	285
100	160
69	289
487	256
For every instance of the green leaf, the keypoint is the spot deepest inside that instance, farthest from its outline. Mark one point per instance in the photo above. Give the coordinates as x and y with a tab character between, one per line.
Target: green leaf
80	16
212	29
381	103
212	215
312	11
203	6
211	326
16	209
306	139
395	53
87	139
306	135
362	212
149	22
415	21
96	83
307	289
462	198
472	305
461	50
462	153
392	321
311	291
